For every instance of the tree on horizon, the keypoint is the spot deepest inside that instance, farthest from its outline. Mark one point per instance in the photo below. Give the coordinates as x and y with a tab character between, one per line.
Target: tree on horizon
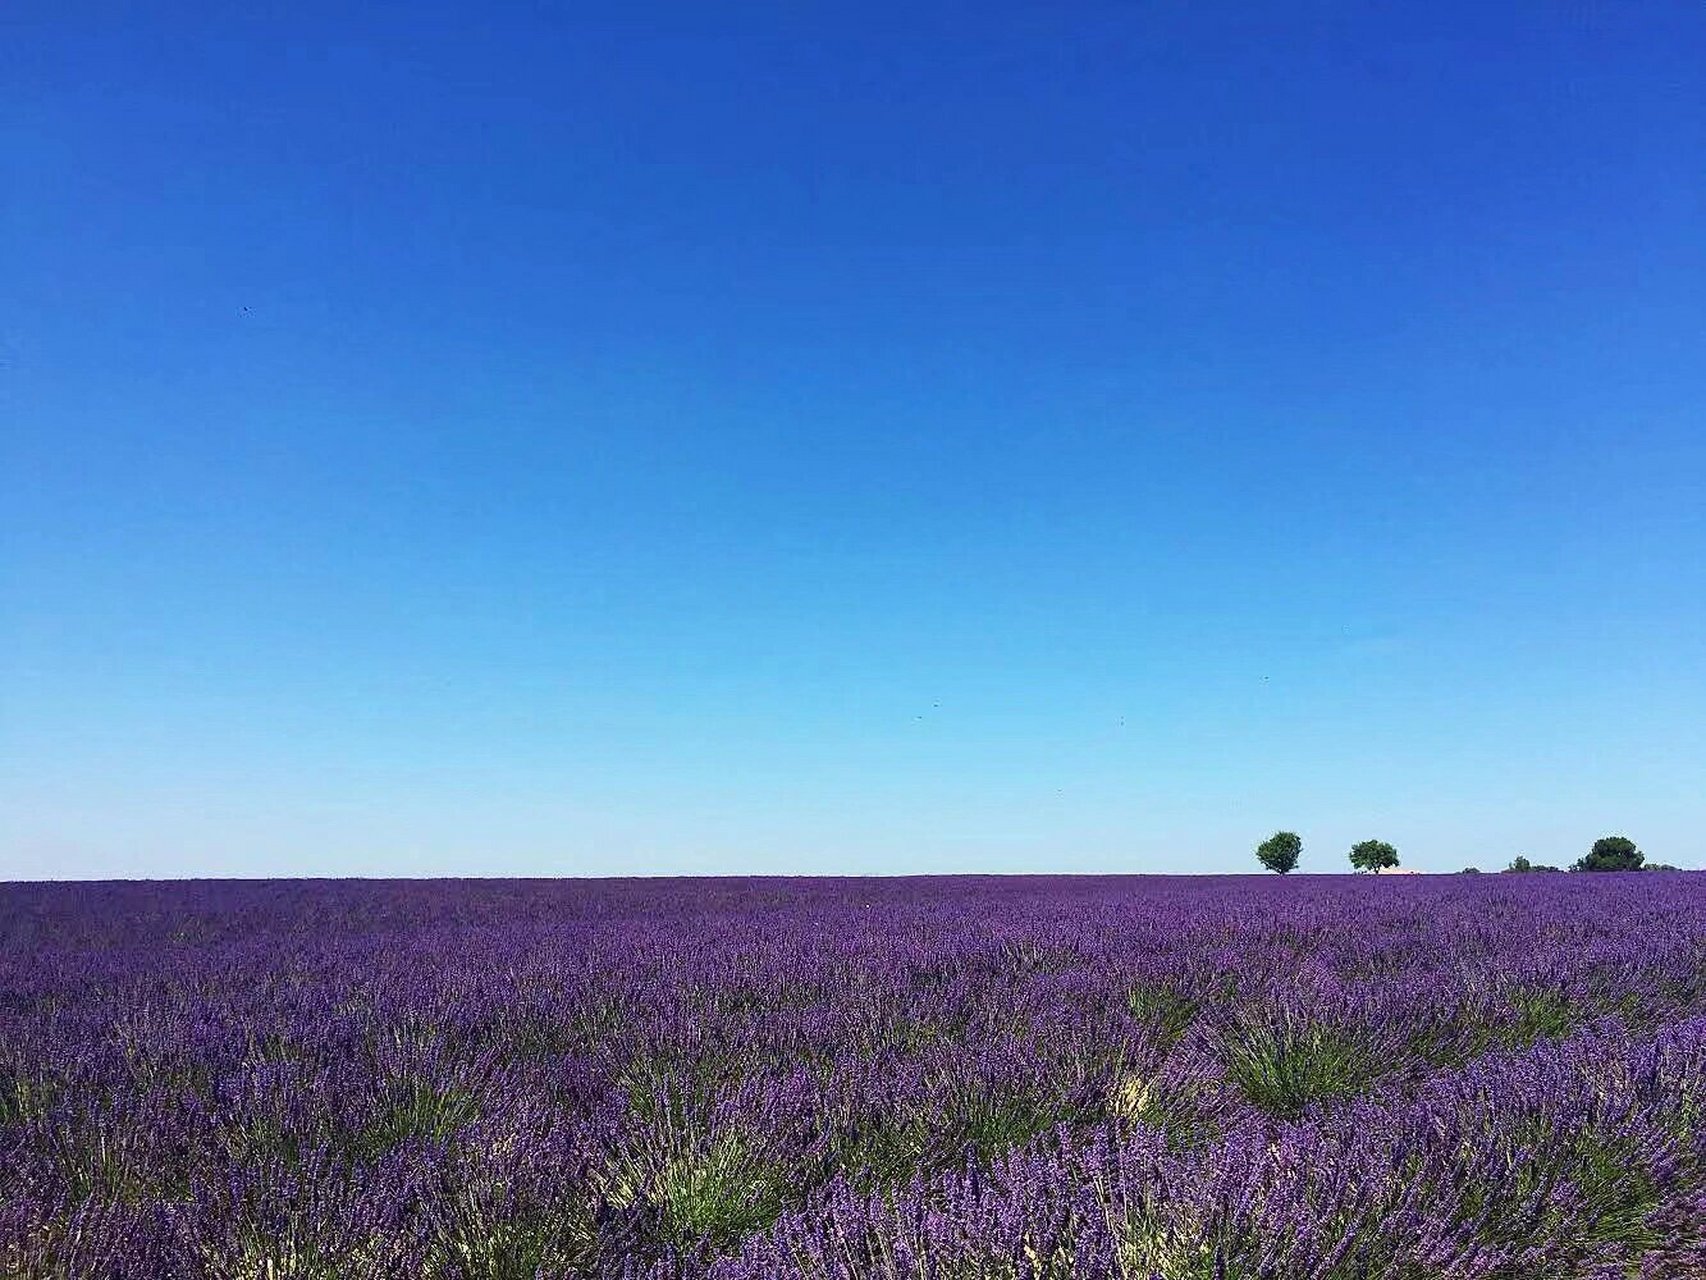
1611	853
1280	851
1372	855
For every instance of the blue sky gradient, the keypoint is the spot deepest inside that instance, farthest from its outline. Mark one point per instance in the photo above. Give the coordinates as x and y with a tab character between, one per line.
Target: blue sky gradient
584	439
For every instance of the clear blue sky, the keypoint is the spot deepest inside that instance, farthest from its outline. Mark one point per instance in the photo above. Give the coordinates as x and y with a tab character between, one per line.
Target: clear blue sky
584	439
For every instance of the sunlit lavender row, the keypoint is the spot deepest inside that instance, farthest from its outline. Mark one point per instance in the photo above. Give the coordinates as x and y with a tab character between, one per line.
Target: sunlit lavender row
1333	1078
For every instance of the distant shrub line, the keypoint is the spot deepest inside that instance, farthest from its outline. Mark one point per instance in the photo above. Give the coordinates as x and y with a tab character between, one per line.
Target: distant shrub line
1282	851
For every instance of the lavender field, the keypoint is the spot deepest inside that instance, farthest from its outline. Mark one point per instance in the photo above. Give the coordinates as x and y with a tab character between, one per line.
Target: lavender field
1328	1078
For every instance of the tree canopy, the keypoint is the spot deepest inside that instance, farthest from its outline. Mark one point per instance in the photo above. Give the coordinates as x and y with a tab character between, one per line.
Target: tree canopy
1520	864
1280	851
1372	855
1611	853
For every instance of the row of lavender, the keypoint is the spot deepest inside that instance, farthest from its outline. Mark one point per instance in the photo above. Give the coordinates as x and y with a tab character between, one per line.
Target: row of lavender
1325	1078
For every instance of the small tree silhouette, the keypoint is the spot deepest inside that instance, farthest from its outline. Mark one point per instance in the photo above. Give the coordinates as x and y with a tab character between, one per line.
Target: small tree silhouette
1372	855
1280	851
1611	853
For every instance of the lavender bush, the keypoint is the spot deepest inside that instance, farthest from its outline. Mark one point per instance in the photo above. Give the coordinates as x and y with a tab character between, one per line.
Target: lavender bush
1230	1079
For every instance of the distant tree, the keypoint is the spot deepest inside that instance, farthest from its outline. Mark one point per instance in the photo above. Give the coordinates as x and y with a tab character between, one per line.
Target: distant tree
1470	871
1280	851
1520	864
1659	866
1372	855
1611	853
